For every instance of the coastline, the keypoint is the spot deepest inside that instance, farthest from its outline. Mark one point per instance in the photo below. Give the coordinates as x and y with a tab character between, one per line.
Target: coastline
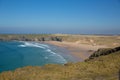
78	51
65	53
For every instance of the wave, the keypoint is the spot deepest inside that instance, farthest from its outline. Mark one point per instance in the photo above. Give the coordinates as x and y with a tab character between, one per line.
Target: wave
43	46
33	44
22	45
50	51
53	53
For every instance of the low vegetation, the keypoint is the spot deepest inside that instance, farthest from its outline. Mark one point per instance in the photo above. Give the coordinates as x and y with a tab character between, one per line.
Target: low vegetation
111	41
104	67
29	37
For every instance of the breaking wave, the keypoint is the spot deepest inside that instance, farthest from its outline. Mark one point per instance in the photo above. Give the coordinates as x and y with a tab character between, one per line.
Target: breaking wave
33	44
43	46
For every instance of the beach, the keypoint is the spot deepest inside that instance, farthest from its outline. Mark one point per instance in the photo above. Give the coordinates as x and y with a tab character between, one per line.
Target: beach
77	50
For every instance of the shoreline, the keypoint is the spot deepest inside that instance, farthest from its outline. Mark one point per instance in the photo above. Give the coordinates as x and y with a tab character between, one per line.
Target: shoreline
62	51
65	53
79	51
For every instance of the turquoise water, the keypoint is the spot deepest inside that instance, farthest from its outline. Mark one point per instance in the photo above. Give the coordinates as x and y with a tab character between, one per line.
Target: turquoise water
15	54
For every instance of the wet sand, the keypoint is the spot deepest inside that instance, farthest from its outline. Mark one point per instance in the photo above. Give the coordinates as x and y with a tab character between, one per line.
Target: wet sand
79	51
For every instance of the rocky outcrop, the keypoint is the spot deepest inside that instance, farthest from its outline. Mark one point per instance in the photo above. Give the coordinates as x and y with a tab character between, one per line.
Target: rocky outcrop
1	39
50	39
104	51
56	39
31	38
41	39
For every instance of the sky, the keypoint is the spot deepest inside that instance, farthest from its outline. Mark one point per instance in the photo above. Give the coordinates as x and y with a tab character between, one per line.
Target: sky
60	16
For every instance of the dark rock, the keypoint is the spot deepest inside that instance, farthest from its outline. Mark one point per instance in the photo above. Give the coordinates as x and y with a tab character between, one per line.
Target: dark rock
14	39
117	48
56	39
1	39
104	51
32	38
26	39
50	39
41	39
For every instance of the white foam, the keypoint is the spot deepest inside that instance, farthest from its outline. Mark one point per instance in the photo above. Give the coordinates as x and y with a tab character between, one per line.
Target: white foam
43	46
48	50
21	45
46	57
53	53
62	58
32	44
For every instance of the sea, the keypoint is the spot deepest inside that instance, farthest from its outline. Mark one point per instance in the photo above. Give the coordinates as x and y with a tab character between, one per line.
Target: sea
17	54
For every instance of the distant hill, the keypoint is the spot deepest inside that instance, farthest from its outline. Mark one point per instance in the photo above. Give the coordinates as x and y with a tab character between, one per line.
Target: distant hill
111	41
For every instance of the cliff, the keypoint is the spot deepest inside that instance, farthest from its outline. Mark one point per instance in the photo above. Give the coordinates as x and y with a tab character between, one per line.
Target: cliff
29	37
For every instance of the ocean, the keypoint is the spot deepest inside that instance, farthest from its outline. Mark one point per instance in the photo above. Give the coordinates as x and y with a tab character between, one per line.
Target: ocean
16	54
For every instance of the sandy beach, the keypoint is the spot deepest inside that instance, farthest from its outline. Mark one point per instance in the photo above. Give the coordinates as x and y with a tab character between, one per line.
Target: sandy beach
79	51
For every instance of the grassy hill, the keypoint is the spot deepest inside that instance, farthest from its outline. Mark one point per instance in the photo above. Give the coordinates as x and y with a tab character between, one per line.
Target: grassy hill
104	67
111	41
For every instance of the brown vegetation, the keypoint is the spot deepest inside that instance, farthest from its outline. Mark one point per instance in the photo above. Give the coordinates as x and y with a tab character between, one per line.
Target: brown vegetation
94	40
101	68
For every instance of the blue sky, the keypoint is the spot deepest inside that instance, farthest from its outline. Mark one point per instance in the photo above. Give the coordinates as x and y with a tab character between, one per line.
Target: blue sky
60	16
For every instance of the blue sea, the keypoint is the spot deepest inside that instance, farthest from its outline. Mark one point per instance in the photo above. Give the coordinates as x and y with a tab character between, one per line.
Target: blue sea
16	54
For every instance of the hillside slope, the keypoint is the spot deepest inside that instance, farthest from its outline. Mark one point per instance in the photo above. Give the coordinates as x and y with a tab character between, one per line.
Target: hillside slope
105	67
